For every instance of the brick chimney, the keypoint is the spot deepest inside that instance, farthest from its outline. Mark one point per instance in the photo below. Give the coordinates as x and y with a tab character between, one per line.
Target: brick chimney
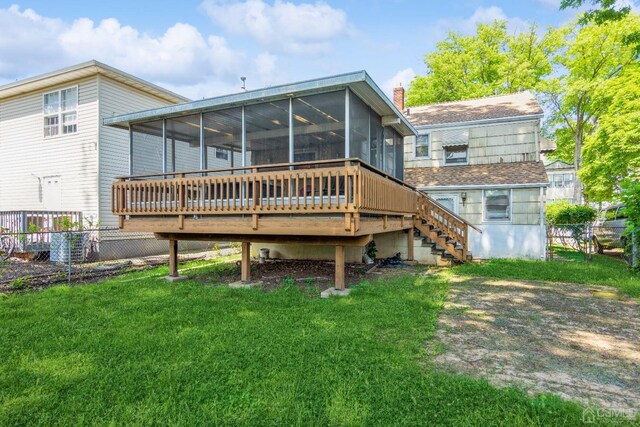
398	97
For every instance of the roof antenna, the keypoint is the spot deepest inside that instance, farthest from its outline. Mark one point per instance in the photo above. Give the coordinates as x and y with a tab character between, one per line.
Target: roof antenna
244	81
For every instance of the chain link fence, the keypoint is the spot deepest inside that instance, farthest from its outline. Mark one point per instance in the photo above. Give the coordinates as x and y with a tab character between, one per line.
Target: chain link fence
38	259
588	239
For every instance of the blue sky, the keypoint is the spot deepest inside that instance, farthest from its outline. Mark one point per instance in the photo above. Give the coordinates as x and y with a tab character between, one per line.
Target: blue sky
201	48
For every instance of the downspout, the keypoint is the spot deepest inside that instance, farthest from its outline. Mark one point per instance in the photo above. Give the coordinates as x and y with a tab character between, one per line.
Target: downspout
543	227
98	136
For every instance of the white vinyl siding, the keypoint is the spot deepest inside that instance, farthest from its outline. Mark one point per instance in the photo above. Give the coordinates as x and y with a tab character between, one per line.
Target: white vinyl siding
28	158
115	99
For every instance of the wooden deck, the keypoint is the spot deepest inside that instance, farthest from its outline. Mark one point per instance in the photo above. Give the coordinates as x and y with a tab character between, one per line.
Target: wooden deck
337	202
347	198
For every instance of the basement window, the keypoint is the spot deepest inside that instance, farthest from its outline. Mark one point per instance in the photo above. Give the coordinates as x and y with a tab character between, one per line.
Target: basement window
60	109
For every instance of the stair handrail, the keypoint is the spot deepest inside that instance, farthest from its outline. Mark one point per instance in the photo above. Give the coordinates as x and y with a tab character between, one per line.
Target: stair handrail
447	210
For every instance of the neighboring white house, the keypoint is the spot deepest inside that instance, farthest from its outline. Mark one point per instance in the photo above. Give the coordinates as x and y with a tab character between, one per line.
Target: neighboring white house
55	154
481	158
562	175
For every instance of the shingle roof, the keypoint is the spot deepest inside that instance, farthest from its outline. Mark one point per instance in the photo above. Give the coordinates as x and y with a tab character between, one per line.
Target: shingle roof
491	174
493	107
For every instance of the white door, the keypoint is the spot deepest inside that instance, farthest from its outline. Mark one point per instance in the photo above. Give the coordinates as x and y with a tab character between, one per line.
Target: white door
52	193
449	201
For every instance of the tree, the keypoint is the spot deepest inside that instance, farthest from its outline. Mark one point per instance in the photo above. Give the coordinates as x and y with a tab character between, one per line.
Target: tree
490	62
592	55
612	153
605	11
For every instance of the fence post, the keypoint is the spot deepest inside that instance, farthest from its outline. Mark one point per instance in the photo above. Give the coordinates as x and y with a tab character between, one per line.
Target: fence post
69	256
634	250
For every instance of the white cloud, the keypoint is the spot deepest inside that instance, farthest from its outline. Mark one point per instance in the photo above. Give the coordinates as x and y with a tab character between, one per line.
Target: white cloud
482	15
295	28
403	77
182	56
550	4
265	65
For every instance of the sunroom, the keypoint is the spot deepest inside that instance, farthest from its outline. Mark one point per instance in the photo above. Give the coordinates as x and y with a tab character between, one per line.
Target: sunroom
316	162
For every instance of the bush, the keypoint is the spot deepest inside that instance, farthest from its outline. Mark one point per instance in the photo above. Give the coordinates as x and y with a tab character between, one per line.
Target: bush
631	199
574	219
563	213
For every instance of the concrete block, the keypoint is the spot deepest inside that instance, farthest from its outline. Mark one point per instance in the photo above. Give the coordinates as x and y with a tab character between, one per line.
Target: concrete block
328	293
244	285
176	278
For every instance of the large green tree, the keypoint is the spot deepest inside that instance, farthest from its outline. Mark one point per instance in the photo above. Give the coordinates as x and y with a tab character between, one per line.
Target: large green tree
592	55
605	11
612	153
489	62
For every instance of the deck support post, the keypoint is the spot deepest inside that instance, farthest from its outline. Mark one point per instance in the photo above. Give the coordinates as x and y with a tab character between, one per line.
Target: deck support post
245	268
410	243
173	258
340	268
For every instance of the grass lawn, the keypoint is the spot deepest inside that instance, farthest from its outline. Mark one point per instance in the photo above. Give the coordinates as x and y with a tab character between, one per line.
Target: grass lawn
146	352
601	270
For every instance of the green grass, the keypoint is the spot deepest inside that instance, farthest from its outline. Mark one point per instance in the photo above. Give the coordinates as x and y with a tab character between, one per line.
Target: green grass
601	270
137	350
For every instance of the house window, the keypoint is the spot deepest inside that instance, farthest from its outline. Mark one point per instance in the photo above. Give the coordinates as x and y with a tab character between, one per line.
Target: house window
60	109
455	144
497	205
422	145
455	155
222	154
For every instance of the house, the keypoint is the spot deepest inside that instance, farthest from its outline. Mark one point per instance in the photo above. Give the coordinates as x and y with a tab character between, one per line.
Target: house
481	159
56	157
315	167
562	175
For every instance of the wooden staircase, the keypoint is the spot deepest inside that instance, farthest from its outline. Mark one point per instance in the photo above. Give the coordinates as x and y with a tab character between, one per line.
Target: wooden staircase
446	232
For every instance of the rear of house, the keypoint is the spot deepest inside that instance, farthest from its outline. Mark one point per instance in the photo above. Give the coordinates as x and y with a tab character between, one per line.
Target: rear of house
481	159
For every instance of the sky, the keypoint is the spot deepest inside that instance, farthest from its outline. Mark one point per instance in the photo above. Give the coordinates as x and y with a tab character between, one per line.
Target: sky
201	48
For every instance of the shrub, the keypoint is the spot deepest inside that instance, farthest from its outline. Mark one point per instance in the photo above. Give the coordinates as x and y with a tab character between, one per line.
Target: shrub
631	199
574	219
563	213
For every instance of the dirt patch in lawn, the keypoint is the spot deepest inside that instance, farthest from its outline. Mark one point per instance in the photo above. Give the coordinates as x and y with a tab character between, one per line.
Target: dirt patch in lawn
307	273
577	341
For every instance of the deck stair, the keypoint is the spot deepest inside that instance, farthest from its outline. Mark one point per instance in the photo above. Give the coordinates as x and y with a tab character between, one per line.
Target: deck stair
446	232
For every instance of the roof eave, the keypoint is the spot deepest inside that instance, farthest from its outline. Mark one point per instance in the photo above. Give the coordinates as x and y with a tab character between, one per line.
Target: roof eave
481	186
92	67
521	118
307	87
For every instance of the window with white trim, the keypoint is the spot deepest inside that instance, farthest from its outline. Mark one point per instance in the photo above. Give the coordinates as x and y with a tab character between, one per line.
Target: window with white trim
456	155
60	109
423	143
497	205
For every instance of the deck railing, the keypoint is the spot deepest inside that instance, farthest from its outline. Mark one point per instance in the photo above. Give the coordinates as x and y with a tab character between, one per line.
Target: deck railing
337	186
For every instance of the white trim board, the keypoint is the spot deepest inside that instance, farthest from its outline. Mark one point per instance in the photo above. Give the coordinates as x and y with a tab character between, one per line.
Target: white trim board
481	186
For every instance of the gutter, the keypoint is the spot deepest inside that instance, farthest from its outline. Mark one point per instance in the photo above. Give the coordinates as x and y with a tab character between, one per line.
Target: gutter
482	186
529	117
